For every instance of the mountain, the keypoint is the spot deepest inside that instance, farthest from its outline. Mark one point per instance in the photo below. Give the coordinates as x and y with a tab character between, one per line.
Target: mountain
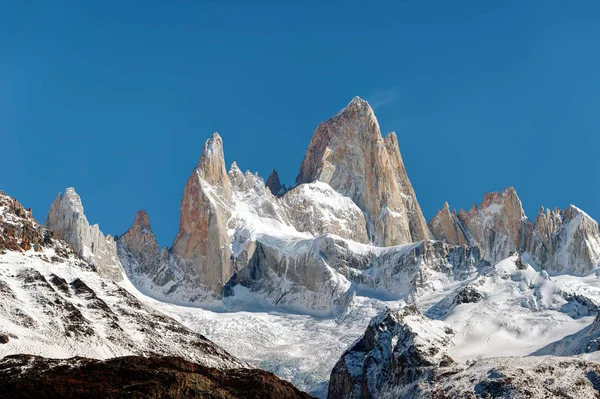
54	303
311	246
298	273
274	184
348	153
302	248
206	210
403	354
136	377
561	241
67	220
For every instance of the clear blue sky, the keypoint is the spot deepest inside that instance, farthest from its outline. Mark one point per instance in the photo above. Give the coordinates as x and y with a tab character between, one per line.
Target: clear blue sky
117	99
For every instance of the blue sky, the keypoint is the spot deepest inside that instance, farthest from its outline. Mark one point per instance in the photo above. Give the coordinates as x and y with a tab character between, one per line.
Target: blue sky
117	99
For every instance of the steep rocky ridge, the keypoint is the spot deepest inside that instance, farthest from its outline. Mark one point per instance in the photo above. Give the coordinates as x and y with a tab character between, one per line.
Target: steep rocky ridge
349	153
560	241
398	349
206	209
274	184
321	273
67	220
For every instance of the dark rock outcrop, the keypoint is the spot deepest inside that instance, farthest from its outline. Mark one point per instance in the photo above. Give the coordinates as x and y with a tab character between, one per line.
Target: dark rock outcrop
405	355
135	377
274	184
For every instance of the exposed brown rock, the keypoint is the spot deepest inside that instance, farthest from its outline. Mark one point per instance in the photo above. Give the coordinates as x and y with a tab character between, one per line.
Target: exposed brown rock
140	241
18	230
205	211
349	153
559	241
135	377
446	227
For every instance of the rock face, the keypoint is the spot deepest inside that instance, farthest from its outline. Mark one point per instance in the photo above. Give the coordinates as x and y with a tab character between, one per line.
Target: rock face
561	241
405	355
397	351
161	275
318	273
67	220
348	153
274	184
565	241
141	242
447	227
206	208
18	229
136	377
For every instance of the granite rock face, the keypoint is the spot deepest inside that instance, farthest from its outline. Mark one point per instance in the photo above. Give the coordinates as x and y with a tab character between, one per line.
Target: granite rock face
349	153
446	226
141	242
67	219
206	209
274	184
565	241
560	241
318	273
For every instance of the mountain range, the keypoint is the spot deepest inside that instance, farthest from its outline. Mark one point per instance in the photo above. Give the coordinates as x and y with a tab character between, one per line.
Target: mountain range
464	305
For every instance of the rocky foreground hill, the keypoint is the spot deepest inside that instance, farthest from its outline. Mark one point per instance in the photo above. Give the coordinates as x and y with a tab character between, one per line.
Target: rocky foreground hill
404	354
135	377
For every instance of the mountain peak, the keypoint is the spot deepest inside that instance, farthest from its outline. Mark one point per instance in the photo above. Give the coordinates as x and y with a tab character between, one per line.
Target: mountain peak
273	183
73	199
212	161
357	106
141	219
348	153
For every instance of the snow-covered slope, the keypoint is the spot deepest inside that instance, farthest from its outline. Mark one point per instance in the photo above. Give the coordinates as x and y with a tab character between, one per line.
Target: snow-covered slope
406	355
53	303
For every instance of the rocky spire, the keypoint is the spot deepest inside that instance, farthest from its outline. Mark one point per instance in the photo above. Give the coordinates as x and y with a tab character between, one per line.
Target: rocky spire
349	153
445	226
560	240
565	241
206	207
273	183
67	220
141	242
497	226
211	165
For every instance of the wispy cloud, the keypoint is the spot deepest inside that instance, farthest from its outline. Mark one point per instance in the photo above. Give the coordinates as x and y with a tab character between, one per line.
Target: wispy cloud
382	98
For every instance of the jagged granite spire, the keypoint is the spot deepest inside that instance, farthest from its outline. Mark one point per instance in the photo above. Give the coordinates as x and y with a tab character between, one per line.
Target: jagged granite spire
349	153
206	208
67	220
140	241
273	183
560	241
